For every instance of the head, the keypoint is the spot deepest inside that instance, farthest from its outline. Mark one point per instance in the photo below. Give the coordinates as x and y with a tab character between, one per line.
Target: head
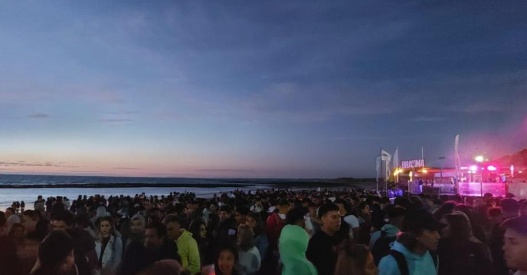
515	242
342	204
17	231
296	216
105	226
225	213
420	231
330	216
396	217
62	220
254	220
364	208
226	259
164	267
283	206
173	225
457	227
510	208
55	253
198	229
155	234
354	259
245	237
137	226
240	214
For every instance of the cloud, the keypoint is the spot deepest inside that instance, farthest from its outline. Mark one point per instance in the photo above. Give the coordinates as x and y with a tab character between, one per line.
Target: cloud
427	119
39	116
35	164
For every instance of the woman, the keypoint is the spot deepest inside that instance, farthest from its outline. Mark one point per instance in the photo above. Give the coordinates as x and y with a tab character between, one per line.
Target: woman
254	221
249	258
55	255
225	261
199	232
27	250
354	259
108	246
364	218
459	251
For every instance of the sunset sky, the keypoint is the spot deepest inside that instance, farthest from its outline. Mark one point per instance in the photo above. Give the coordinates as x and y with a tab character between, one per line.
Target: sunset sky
274	89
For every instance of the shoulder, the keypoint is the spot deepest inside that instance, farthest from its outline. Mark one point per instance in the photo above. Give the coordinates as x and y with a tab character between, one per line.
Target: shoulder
388	266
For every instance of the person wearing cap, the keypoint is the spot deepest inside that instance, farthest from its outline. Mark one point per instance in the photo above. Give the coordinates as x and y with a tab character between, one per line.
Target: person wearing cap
186	245
322	248
515	244
410	253
392	228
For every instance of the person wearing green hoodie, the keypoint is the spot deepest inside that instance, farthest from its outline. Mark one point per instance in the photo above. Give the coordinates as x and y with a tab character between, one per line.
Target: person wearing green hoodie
187	246
292	245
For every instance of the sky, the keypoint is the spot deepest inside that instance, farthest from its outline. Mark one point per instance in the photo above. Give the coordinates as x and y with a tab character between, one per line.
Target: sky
257	89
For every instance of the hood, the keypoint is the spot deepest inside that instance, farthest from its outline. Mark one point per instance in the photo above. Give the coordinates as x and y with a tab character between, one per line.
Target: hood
185	235
390	229
409	254
101	211
293	242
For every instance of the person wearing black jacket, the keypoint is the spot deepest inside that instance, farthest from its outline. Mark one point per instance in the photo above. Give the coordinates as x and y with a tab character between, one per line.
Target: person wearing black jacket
322	248
156	246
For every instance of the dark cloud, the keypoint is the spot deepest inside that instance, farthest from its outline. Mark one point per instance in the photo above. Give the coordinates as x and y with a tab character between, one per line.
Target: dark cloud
39	116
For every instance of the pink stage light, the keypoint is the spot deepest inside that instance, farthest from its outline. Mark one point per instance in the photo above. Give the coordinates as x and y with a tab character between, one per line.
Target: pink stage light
473	168
491	168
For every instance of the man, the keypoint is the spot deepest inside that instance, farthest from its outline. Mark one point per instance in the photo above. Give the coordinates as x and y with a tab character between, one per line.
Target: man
186	245
515	244
156	246
410	254
321	250
381	240
240	215
83	244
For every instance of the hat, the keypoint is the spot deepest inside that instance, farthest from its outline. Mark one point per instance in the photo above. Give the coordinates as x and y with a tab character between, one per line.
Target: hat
396	212
420	219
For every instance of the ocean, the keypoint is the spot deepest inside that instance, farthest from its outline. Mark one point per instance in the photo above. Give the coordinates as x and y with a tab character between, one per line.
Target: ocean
27	187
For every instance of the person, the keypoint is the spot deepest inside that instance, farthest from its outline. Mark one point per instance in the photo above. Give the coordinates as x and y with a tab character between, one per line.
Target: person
515	244
108	246
410	254
249	257
156	246
164	267
224	262
55	255
380	242
349	225
254	221
274	224
199	232
354	259
460	252
240	215
292	245
187	246
84	246
321	250
9	262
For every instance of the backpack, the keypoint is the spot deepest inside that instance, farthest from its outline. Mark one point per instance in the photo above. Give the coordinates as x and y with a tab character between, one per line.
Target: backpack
403	265
381	247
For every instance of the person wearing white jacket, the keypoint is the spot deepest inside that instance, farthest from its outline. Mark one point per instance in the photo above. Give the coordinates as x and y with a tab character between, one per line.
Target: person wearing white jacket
108	246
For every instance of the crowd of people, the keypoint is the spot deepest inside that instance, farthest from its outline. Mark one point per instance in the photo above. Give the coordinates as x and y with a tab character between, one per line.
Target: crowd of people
271	232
